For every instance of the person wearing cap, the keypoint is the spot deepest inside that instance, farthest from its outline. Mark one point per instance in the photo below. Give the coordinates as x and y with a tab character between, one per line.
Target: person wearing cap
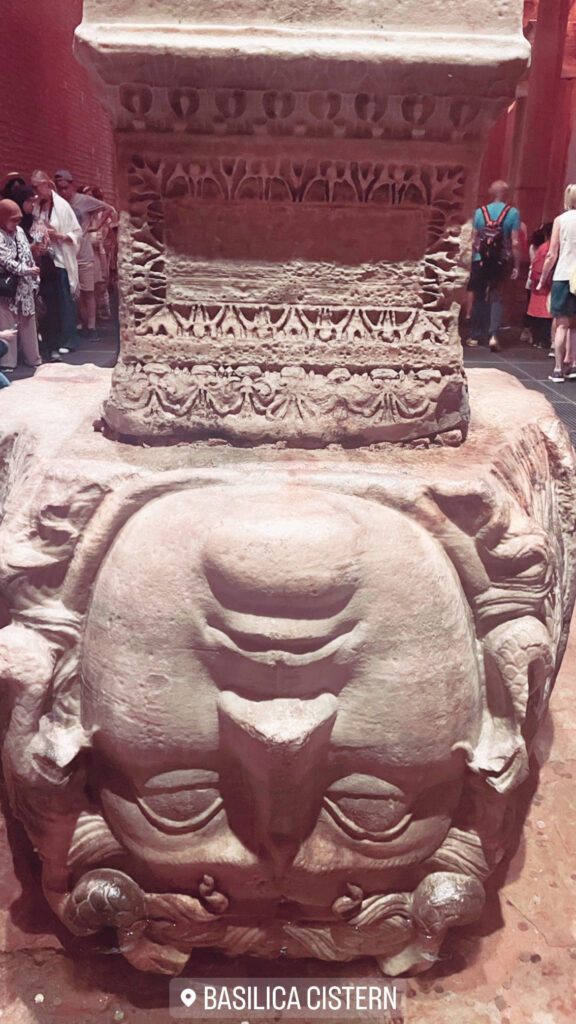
84	206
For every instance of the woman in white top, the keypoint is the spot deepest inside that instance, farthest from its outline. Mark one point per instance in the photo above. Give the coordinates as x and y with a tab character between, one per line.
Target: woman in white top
562	256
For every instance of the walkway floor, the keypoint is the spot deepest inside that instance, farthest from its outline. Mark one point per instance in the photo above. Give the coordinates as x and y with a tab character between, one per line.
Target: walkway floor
530	365
102	353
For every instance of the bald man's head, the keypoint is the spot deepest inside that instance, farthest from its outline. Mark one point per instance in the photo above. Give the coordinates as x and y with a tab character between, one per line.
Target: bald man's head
499	190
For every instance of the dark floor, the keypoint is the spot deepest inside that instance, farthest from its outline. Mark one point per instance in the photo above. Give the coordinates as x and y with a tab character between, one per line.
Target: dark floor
102	353
530	365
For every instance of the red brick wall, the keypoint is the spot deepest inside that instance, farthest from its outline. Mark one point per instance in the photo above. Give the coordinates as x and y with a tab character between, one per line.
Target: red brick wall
49	117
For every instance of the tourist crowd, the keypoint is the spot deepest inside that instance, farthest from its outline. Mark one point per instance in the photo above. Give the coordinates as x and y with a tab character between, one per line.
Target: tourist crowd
551	284
58	260
57	267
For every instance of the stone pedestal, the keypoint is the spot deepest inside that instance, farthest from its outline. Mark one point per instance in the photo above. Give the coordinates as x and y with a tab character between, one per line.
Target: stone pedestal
275	704
295	178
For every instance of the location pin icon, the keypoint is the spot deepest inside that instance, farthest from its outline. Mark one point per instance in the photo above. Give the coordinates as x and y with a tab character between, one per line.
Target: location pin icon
188	997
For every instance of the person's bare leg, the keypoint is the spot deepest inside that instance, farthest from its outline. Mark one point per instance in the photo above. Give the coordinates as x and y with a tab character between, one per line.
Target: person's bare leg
28	338
560	339
82	308
87	309
571	343
90	308
7	324
102	301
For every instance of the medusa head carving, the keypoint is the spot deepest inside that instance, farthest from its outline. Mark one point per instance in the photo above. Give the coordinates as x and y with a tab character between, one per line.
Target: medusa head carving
279	713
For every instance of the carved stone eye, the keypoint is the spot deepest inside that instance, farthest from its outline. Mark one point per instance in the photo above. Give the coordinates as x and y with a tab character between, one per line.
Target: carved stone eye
181	801
367	808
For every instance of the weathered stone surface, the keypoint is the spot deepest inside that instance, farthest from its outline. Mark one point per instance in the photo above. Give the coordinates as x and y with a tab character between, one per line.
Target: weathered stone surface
296	180
256	685
516	963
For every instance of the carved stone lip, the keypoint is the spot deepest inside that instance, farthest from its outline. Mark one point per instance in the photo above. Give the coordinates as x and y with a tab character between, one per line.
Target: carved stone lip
294	651
379	793
356	832
184	778
183	781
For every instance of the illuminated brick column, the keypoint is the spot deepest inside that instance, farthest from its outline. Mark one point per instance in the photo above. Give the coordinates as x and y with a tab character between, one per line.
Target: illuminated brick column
543	110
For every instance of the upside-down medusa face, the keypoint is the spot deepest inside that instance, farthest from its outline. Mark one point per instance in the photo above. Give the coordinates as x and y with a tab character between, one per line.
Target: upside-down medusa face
279	691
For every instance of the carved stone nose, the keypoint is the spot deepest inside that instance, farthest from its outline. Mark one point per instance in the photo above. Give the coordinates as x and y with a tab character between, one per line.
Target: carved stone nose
277	750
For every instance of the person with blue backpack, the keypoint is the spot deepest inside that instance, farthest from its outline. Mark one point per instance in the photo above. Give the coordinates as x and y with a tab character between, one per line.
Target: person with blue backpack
495	259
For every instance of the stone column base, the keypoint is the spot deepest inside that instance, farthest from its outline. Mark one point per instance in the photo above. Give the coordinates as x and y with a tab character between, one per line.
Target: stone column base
271	702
